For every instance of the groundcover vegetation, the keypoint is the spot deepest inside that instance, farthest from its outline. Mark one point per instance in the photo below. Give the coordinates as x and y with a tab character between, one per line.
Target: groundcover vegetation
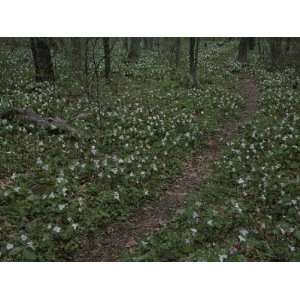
56	189
249	208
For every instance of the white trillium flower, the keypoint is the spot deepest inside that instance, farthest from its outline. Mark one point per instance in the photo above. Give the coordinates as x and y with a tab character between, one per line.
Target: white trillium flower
57	229
222	257
244	232
24	237
242	238
45	167
75	226
39	161
116	196
241	181
9	246
210	222
194	230
59	180
61	206
93	150
30	244
292	248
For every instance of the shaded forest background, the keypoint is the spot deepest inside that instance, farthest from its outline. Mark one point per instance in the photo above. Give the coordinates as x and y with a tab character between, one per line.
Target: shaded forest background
89	60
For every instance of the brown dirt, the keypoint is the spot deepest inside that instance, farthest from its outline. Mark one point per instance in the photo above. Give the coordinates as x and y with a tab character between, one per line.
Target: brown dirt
153	216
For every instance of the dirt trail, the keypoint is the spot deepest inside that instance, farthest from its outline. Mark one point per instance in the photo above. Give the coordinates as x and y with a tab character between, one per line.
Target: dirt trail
153	216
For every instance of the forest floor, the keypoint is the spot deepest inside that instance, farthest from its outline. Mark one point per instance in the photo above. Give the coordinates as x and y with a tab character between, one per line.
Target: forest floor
156	215
161	171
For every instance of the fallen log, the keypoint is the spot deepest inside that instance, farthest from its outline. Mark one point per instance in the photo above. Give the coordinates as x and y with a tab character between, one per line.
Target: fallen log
53	125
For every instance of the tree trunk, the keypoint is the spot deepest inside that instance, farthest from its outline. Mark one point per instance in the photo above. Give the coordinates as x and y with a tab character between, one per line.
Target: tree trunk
150	43
145	43
193	58
243	50
42	59
276	51
177	52
157	43
134	49
125	43
107	58
288	45
251	43
76	56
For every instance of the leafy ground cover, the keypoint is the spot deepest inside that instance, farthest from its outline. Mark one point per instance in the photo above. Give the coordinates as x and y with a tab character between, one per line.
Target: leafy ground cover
249	209
55	189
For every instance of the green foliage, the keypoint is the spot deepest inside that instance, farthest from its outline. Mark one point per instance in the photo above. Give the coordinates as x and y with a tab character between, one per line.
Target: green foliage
55	190
249	208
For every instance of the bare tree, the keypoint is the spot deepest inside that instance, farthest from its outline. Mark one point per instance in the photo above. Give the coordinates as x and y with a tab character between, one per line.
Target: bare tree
42	59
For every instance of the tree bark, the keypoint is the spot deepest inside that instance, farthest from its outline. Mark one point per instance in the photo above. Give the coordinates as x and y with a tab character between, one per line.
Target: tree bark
276	51
76	52
107	58
243	50
125	43
251	43
287	45
42	59
193	58
134	49
177	52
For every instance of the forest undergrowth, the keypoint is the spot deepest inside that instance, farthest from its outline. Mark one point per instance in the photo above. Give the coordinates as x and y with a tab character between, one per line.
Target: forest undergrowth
135	135
248	209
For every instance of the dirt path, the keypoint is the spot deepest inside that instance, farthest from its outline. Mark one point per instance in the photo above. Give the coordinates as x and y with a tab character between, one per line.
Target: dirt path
153	216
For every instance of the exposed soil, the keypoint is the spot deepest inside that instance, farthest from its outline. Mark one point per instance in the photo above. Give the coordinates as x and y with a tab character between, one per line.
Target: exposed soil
150	218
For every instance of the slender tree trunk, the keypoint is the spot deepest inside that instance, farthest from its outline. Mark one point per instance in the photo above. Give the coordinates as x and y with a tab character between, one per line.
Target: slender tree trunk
193	58
76	53
150	43
125	43
288	45
276	51
86	65
134	49
107	58
42	59
251	43
243	50
258	42
145	43
177	52
157	43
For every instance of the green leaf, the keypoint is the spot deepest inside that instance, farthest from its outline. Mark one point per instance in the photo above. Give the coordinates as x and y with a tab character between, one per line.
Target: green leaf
29	255
297	234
